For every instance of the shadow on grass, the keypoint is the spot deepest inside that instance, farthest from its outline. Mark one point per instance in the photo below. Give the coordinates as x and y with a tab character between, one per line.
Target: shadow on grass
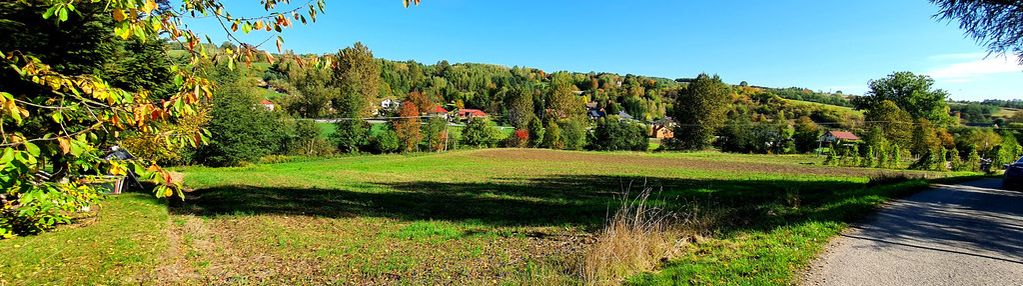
585	201
549	201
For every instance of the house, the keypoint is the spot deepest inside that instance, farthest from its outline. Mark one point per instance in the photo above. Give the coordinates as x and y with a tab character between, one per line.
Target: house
438	111
839	137
663	129
624	115
389	104
594	111
466	113
269	105
663	132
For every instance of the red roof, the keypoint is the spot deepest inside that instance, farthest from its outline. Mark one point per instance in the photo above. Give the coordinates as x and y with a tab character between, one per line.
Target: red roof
472	112
439	109
844	135
265	102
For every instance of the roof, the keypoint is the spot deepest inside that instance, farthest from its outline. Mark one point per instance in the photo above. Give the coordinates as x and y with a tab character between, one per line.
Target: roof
472	112
439	109
844	135
265	102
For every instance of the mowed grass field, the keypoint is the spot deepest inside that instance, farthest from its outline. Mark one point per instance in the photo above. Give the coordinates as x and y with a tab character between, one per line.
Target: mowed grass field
495	216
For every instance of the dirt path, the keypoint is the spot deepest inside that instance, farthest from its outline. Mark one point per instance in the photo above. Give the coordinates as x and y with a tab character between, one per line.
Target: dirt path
966	234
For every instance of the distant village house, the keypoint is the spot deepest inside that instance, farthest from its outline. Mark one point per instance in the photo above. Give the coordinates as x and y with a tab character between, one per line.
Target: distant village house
466	114
839	137
438	111
662	129
269	105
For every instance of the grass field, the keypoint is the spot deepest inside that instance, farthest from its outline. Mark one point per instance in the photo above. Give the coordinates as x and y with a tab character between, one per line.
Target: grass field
496	216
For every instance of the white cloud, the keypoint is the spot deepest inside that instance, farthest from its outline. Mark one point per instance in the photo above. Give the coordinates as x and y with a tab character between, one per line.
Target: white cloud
978	66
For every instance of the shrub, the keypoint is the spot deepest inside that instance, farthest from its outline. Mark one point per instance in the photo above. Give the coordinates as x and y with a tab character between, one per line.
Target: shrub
972	161
387	141
350	135
552	137
573	134
480	133
612	134
519	139
43	208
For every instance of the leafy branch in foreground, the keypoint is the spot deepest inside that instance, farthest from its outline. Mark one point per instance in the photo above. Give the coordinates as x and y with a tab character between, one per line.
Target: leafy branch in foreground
56	122
996	23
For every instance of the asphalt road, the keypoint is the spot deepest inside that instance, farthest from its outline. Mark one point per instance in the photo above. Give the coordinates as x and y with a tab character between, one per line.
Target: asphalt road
966	234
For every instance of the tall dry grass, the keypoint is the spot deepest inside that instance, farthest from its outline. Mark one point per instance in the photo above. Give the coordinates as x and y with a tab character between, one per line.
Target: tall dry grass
638	237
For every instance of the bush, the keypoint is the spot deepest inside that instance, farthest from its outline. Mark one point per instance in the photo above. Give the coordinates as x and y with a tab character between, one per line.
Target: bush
480	133
612	134
305	138
552	137
519	139
573	134
350	135
387	141
43	208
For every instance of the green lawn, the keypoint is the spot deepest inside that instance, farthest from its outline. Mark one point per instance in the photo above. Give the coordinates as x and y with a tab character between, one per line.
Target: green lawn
123	244
496	216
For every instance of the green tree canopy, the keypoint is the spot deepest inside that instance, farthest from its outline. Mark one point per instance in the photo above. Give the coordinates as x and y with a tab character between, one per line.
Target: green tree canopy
700	111
896	124
910	92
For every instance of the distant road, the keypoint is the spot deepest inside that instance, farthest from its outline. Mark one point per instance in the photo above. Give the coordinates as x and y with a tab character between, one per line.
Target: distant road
966	234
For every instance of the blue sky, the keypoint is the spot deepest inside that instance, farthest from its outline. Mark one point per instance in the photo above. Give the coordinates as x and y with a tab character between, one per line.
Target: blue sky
822	45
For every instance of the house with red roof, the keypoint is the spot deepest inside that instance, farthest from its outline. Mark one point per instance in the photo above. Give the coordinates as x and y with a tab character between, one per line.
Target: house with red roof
438	111
466	113
839	137
269	105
